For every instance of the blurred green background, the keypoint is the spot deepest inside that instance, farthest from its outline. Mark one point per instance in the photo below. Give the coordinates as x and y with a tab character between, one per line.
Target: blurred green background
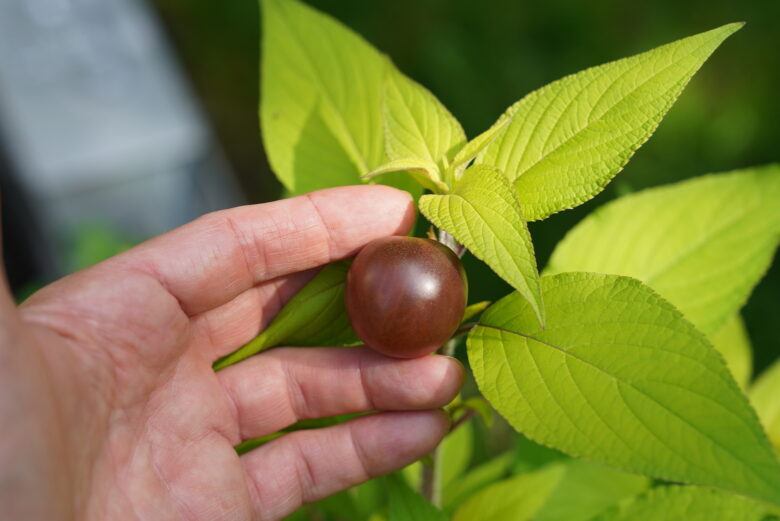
478	58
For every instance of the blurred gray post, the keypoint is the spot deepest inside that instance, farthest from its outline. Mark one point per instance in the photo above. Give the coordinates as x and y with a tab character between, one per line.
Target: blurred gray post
99	124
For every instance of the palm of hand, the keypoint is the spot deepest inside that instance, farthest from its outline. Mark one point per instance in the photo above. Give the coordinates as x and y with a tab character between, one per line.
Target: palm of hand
123	417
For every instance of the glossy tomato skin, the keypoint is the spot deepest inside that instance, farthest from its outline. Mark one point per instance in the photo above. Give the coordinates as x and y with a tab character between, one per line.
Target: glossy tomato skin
405	296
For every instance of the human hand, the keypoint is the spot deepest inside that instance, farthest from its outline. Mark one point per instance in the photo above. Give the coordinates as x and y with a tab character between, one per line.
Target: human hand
109	406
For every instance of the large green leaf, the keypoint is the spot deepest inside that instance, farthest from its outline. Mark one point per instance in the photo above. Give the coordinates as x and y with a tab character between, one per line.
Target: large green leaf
483	213
321	104
620	377
676	503
407	505
732	341
416	124
517	498
315	316
587	490
569	139
703	244
765	396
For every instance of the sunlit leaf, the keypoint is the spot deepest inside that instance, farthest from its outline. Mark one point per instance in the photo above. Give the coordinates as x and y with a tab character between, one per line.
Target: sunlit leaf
416	124
424	171
675	503
587	490
620	377
477	478
703	244
321	104
483	214
407	505
732	341
569	139
474	309
315	316
517	498
471	149
765	396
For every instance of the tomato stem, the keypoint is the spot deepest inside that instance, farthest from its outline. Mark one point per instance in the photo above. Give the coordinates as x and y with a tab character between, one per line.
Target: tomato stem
449	241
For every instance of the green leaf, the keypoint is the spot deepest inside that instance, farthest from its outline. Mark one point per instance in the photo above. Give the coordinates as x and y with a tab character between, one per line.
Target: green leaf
321	104
517	498
407	505
675	503
481	407
424	171
368	497
533	456
483	214
416	124
732	341
337	506
765	396
455	455
474	309
298	515
471	149
620	377
315	316
587	490
568	139
703	243
251	444
477	478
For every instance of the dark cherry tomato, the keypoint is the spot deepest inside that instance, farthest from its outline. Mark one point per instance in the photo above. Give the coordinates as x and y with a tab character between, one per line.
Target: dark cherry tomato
405	296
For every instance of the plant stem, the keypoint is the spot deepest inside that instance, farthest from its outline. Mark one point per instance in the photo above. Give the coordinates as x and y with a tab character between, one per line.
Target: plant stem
448	349
430	486
463	419
452	243
465	328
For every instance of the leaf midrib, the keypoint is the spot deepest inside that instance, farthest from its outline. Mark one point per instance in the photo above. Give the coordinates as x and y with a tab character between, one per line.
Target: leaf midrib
565	352
498	238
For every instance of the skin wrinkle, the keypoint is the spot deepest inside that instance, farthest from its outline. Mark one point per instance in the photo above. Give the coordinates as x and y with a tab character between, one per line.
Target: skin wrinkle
307	476
325	228
365	385
137	402
243	246
360	454
300	398
296	400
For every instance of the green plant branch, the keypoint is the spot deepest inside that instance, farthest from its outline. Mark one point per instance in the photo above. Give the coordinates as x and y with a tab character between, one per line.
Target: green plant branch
463	419
430	484
465	328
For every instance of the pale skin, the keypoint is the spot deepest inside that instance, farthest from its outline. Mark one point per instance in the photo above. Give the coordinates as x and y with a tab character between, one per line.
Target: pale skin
109	406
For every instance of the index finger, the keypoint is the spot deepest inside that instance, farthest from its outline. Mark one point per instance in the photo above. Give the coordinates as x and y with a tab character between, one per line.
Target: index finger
215	258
